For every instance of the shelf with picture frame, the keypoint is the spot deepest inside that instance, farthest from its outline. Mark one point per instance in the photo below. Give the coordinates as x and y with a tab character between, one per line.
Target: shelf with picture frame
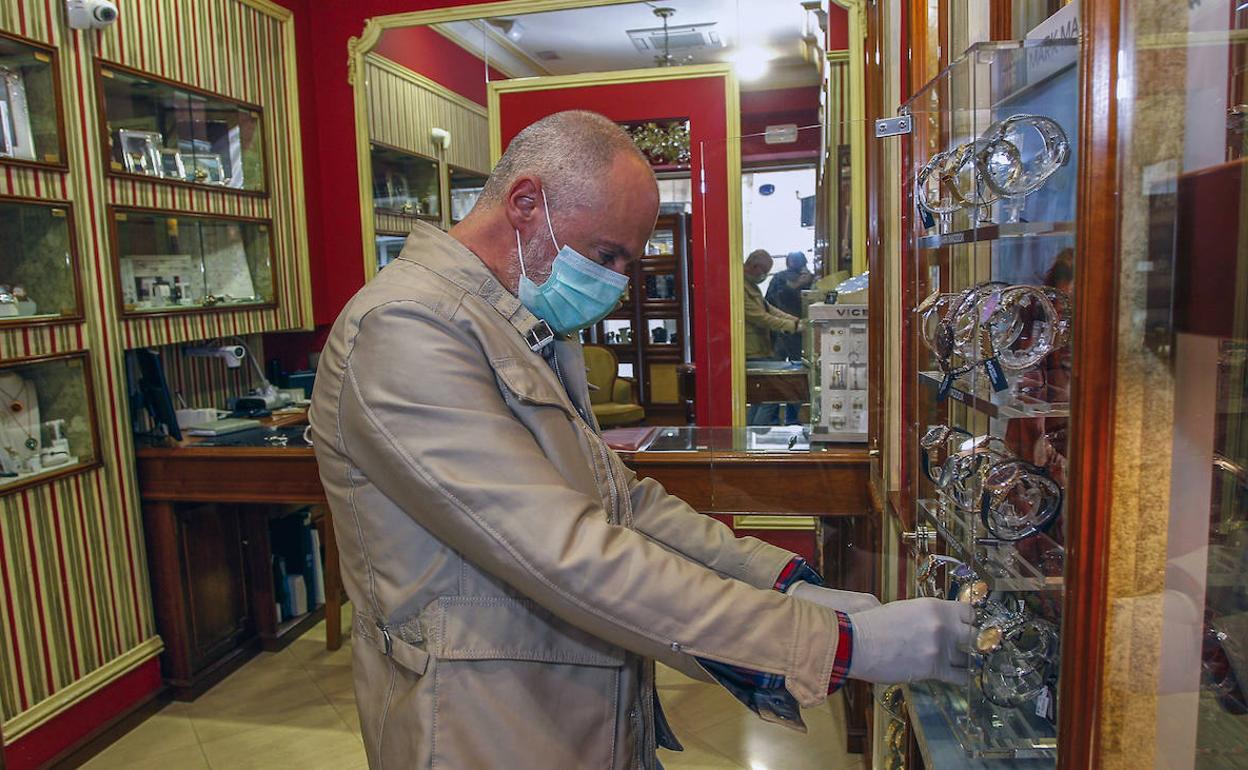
48	426
32	122
40	280
406	185
170	263
162	131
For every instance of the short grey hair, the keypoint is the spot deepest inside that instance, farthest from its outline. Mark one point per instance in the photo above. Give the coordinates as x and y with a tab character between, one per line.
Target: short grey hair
570	152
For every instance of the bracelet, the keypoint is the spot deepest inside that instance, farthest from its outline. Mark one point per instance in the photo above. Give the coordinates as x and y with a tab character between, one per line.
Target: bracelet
1018	500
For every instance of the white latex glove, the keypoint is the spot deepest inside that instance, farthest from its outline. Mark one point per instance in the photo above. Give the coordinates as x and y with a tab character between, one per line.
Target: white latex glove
912	640
845	601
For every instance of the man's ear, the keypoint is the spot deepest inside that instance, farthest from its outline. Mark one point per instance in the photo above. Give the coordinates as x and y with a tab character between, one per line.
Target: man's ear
523	203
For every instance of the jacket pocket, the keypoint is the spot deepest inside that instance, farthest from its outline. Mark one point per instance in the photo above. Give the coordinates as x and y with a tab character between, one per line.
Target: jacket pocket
515	687
523	381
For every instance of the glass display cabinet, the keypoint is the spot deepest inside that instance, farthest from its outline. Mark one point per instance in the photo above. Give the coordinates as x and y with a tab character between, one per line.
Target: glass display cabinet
388	247
405	184
30	104
169	262
993	162
173	133
48	426
39	268
649	332
466	187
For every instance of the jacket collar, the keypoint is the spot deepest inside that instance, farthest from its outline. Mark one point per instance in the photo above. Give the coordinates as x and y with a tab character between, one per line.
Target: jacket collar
436	250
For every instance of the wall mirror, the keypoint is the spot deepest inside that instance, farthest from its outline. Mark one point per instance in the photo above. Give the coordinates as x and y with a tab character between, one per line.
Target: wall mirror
750	116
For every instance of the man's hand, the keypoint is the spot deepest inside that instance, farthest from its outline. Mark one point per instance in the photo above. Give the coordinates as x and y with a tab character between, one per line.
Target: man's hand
848	602
912	640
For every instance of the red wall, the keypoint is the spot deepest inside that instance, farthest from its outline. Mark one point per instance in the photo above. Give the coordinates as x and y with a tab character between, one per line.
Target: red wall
701	100
422	50
760	109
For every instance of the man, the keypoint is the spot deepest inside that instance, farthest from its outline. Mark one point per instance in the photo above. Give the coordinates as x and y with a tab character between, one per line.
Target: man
512	581
761	319
785	294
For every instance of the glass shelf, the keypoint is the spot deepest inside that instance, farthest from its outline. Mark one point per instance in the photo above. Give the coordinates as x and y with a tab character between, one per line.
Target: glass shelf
164	131
989	231
48	425
1008	566
1013	734
172	263
39	269
1001	405
30	105
405	184
466	187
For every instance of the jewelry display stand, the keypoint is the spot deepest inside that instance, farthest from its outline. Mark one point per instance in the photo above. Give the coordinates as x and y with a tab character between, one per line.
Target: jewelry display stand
20	441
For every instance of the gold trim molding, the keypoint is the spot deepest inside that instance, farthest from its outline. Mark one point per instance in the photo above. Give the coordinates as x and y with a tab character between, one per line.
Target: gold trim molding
76	692
774	523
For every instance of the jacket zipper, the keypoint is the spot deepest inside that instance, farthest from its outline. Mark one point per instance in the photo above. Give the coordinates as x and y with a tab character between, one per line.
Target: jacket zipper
647	679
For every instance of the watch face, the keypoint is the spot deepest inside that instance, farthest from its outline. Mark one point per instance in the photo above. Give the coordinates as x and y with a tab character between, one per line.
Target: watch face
973	593
988	639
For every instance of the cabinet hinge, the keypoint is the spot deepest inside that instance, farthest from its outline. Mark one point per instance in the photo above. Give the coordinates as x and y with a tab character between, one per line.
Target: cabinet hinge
886	127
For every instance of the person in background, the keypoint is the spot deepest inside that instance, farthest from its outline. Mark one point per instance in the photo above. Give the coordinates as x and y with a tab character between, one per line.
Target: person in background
785	293
761	319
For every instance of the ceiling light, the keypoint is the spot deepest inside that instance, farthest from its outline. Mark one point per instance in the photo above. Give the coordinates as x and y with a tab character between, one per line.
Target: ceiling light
511	28
752	62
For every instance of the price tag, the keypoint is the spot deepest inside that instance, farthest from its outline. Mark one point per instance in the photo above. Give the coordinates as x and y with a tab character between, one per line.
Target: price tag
946	385
1044	703
925	216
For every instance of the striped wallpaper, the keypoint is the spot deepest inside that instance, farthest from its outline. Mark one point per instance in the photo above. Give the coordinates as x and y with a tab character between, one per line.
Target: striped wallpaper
403	107
75	603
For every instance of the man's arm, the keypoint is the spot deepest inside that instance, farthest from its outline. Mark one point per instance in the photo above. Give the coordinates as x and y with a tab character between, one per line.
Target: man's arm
422	417
760	313
672	522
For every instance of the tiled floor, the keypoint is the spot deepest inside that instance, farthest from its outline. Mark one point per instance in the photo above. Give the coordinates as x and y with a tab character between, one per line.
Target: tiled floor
296	709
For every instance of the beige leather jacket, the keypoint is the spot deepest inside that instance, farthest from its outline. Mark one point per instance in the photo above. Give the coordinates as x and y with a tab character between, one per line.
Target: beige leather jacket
512	580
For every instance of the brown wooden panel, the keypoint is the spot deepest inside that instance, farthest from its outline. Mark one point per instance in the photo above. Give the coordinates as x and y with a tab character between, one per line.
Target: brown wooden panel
1092	387
229	474
210	543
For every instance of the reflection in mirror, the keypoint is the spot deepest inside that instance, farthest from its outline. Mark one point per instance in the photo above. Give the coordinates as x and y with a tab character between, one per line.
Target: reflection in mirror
429	93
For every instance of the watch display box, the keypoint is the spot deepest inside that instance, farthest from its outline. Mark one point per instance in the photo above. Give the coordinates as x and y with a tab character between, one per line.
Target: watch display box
173	133
170	263
992	165
39	280
47	420
30	111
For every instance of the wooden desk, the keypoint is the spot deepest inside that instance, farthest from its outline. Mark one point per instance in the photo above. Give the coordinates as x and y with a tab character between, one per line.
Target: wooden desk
716	475
206	511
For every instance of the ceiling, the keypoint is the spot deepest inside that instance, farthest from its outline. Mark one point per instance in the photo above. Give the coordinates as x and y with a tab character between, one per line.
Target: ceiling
597	39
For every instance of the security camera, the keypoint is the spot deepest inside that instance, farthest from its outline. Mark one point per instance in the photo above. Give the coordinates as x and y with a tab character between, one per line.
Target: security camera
91	14
233	355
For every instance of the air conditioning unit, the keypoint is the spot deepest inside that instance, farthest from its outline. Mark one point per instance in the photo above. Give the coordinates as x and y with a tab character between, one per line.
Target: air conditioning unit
683	38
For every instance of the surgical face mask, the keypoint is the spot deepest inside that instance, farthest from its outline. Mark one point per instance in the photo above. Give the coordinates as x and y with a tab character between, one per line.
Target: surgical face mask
579	292
756	279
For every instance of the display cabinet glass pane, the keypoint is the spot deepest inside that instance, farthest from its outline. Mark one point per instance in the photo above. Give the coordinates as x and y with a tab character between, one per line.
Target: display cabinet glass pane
662	331
405	184
172	262
388	247
29	111
661	286
164	131
662	243
466	187
38	281
994	164
617	332
47	426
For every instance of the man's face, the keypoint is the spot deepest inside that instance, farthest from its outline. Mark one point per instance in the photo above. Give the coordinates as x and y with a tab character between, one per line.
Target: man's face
611	231
758	267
